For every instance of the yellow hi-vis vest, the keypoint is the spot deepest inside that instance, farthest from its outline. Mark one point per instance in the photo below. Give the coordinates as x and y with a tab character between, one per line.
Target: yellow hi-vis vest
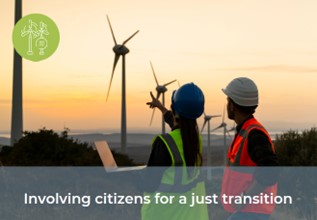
178	186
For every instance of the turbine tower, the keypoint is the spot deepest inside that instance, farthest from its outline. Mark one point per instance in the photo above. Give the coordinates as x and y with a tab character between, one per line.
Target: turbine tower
207	119
160	89
121	50
17	109
225	131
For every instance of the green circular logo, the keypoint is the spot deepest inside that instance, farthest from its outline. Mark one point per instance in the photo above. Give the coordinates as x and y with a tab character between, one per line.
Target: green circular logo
35	37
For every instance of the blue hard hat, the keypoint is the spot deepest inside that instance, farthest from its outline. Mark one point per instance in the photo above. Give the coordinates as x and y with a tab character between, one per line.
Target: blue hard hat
188	101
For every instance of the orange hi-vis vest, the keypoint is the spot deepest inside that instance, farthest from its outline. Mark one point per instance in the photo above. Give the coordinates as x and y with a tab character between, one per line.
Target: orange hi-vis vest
238	175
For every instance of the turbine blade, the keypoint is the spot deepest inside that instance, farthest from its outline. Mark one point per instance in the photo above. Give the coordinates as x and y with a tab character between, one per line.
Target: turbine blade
233	126
166	84
213	130
114	39
124	42
220	126
152	116
179	85
116	58
154	74
215	116
203	125
228	133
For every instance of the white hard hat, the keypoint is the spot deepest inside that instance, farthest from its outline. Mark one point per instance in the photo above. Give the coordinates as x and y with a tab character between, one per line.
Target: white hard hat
242	91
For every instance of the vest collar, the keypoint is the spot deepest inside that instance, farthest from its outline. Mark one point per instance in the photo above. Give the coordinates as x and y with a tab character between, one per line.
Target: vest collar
238	128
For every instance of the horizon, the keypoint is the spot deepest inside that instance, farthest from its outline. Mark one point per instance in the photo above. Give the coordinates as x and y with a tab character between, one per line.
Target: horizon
273	130
134	139
207	42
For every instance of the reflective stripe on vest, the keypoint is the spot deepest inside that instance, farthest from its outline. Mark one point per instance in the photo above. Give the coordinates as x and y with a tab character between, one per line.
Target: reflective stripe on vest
179	168
235	152
177	162
244	135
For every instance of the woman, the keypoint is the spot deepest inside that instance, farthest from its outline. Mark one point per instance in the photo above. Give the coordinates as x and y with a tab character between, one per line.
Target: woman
178	156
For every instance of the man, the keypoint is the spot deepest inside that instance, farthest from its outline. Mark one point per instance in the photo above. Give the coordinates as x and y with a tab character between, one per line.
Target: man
251	149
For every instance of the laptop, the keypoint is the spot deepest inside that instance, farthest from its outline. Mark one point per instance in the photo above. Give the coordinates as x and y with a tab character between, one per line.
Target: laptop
108	160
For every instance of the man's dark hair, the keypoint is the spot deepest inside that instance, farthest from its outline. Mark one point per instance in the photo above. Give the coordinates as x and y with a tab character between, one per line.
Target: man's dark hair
247	110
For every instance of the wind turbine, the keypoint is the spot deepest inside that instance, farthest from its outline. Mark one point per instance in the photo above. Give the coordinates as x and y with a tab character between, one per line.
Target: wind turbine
207	119
121	50
17	103
233	128
160	89
225	131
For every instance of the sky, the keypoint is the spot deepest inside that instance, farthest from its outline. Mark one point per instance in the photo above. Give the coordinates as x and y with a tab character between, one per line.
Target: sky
208	42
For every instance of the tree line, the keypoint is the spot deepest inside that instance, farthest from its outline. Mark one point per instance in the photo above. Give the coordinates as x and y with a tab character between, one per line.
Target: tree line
46	147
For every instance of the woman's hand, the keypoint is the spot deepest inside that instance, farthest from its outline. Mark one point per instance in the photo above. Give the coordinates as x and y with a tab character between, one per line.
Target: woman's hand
155	103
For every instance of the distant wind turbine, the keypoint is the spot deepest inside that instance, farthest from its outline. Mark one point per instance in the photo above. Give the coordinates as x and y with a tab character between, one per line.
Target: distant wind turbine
233	128
121	50
160	89
207	119
225	132
17	102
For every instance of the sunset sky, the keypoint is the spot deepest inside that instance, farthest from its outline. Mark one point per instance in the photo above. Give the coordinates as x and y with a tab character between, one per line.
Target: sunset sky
208	42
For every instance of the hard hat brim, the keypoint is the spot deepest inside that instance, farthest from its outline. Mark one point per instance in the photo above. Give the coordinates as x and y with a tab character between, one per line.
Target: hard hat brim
237	101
